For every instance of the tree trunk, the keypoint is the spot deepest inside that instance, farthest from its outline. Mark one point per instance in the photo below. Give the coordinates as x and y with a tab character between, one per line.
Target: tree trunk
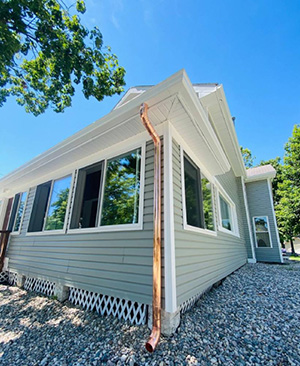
292	246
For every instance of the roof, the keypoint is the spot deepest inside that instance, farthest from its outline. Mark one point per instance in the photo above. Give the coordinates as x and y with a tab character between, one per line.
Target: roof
207	131
260	173
201	89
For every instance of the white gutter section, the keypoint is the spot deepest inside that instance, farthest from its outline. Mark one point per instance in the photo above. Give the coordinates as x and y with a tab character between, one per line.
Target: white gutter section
257	177
253	259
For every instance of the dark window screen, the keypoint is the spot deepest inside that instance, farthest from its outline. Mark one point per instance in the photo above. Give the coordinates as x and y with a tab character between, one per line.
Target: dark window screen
90	199
86	203
39	207
193	197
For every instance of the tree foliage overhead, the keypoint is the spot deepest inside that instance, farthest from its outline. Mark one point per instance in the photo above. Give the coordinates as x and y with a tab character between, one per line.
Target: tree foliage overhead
45	51
247	157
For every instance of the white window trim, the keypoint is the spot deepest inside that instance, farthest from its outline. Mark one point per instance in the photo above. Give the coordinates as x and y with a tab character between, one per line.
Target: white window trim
52	232
254	227
186	226
17	232
233	214
122	227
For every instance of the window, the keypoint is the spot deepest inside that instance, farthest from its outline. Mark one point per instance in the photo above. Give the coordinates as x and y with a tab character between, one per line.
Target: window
198	197
20	212
13	212
87	198
228	222
122	190
225	214
108	199
50	205
262	233
58	204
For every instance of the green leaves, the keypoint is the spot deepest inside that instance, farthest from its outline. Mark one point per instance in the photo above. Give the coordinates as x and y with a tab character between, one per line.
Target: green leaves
288	206
247	157
45	50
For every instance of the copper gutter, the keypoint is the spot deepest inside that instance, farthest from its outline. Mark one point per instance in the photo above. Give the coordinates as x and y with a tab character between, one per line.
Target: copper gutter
156	297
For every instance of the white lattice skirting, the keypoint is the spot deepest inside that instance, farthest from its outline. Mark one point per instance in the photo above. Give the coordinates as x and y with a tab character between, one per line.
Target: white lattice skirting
134	312
3	277
12	278
188	304
38	285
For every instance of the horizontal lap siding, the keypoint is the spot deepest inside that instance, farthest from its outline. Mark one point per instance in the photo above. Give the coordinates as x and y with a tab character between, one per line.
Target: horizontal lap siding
260	205
202	260
118	264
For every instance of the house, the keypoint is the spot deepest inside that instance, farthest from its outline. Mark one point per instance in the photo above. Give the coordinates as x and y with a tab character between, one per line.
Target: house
81	214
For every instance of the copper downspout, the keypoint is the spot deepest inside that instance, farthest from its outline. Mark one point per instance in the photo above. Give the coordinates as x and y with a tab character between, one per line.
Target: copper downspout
156	299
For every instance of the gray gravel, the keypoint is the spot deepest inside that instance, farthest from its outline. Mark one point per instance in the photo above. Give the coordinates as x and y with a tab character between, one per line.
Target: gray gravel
253	318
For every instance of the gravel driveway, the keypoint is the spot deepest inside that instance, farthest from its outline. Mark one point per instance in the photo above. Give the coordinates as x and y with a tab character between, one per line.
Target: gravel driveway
253	318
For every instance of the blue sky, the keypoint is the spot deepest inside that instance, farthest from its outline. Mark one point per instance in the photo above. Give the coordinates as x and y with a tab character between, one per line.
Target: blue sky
251	47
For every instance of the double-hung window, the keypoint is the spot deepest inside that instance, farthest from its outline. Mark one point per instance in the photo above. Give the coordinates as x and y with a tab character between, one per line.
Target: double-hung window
108	193
227	215
50	206
198	197
262	232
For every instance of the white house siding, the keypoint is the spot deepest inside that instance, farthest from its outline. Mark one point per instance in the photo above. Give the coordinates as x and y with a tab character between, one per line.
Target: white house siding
260	205
117	264
202	260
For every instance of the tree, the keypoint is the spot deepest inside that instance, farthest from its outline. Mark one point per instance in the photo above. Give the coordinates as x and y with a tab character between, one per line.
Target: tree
288	208
247	157
286	212
276	164
45	51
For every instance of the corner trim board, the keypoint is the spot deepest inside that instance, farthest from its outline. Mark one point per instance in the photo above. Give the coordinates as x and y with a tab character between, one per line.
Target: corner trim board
169	239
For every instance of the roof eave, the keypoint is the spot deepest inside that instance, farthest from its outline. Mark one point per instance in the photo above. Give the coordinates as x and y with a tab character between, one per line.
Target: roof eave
263	176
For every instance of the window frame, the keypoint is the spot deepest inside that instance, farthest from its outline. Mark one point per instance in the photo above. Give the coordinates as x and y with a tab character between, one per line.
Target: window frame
233	213
186	226
269	232
119	227
52	232
17	232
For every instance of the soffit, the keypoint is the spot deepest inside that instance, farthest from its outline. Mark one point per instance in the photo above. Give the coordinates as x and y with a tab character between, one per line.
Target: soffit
216	105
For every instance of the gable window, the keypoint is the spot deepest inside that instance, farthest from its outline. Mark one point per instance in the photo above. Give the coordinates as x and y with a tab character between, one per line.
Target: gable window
50	205
122	190
20	212
262	232
198	197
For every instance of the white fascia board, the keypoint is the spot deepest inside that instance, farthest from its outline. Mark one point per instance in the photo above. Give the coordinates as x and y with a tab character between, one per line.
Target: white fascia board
129	110
263	176
239	169
202	123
